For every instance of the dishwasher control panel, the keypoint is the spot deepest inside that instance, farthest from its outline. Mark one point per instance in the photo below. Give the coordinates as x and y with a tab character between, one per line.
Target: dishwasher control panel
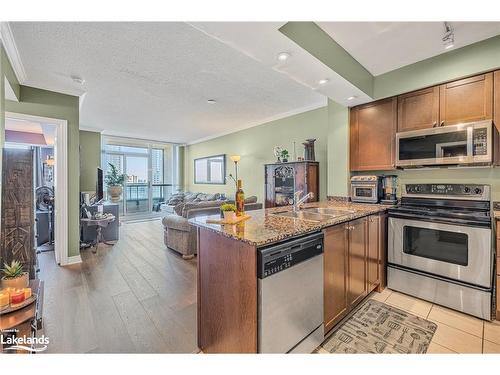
285	255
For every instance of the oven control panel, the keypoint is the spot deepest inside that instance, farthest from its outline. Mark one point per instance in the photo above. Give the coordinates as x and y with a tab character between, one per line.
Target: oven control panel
471	191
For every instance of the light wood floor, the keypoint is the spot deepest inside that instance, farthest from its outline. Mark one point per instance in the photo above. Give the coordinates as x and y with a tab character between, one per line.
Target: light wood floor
134	297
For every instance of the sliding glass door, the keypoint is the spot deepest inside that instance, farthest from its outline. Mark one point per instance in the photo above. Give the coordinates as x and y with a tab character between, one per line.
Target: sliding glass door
137	188
151	171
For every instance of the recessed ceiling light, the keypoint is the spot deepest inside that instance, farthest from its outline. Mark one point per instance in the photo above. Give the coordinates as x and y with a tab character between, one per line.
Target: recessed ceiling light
323	81
448	37
352	97
211	101
78	80
283	56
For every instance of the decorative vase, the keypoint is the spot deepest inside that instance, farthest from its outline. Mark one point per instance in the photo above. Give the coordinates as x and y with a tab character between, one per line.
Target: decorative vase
20	282
229	215
285	160
115	192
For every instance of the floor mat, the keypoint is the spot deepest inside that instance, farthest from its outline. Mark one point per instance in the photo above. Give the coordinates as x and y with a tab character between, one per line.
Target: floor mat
379	328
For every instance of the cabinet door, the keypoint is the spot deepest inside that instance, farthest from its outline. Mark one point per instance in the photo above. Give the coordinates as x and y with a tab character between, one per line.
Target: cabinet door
496	116
418	109
269	186
373	129
373	252
357	262
335	274
469	99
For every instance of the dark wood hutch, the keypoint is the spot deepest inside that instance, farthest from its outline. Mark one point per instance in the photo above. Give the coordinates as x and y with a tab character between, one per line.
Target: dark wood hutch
282	180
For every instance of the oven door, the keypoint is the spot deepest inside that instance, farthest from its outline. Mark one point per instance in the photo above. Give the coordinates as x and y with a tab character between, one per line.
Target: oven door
364	193
457	252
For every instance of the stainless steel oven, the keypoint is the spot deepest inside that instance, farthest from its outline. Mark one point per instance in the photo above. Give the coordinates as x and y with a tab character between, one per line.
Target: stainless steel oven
440	246
462	144
461	253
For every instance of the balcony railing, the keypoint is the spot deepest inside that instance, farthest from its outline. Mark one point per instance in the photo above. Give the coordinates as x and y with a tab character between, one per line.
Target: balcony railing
137	196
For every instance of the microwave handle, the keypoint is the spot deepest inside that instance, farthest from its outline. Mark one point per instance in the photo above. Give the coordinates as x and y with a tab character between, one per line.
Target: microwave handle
470	142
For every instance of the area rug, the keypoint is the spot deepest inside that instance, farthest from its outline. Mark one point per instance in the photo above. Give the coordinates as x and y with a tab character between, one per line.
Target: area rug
379	328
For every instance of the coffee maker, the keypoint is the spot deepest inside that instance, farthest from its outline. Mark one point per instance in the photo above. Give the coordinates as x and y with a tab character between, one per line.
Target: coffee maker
389	189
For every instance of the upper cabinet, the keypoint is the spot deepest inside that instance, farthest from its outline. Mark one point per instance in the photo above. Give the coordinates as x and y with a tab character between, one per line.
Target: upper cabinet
372	132
466	100
373	126
418	109
496	105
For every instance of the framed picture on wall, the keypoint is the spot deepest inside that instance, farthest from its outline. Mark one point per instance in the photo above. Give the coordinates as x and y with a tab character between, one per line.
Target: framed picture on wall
210	170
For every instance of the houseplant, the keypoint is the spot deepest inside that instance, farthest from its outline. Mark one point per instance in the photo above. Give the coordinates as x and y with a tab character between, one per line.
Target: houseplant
284	155
114	181
229	211
13	276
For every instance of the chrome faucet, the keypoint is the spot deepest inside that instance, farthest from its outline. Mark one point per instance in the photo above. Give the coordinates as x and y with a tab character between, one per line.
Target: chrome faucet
297	203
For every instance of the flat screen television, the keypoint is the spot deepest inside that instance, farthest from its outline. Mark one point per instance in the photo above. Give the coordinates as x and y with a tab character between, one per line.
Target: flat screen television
99	191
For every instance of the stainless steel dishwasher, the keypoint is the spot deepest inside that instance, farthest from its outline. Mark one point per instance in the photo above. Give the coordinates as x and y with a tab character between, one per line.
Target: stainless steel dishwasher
290	308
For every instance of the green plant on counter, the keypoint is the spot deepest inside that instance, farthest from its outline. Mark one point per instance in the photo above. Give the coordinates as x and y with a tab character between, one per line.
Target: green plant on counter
113	178
284	154
228	207
12	271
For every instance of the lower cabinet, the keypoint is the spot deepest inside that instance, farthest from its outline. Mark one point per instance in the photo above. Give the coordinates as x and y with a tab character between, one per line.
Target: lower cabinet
356	269
354	265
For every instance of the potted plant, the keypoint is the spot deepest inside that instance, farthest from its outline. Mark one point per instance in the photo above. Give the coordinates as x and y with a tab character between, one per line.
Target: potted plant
13	276
229	211
284	155
114	181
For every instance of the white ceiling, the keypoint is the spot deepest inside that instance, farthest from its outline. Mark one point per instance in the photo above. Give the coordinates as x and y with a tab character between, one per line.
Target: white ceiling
384	46
152	80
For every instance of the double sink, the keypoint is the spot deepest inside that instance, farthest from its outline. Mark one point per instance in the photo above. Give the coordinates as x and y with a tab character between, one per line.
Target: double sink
316	214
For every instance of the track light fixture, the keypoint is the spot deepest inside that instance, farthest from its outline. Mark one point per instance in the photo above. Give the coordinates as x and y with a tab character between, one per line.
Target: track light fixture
449	36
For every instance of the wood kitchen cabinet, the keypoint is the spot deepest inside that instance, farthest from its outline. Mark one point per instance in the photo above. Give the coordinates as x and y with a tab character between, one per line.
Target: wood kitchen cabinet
496	116
372	134
498	270
336	248
356	270
418	109
466	100
354	265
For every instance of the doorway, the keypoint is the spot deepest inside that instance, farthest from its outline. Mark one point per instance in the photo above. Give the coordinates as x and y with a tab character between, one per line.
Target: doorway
50	182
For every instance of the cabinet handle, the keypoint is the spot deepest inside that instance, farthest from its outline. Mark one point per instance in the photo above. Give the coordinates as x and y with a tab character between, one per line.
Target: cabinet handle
442	123
434	124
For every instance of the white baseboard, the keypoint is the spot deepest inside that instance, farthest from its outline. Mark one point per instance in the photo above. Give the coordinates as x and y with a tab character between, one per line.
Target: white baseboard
73	260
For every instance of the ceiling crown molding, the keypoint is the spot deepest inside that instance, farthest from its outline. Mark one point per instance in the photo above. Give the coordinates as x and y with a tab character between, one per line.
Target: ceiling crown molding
12	52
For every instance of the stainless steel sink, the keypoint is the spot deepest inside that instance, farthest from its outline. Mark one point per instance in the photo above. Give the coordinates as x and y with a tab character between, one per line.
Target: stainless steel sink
304	215
328	211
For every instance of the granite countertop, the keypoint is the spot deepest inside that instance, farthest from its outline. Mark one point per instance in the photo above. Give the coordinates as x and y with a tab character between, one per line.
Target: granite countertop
264	228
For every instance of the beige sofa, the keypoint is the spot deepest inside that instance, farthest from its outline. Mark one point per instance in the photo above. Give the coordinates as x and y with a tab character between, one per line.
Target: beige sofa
180	236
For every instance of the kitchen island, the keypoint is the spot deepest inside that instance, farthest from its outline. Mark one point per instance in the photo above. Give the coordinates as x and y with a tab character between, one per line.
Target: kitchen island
227	267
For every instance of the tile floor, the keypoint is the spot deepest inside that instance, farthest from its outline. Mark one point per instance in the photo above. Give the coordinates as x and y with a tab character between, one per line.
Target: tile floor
456	332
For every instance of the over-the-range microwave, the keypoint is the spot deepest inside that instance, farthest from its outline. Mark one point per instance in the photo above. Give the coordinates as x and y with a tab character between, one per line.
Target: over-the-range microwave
463	144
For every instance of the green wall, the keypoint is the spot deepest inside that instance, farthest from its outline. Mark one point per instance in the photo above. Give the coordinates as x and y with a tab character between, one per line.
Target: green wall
45	103
90	159
255	145
469	60
338	149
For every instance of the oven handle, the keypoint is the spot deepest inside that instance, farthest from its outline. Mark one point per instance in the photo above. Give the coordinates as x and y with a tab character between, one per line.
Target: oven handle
469	223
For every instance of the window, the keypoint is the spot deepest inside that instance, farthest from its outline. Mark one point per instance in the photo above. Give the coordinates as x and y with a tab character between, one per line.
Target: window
210	170
152	171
